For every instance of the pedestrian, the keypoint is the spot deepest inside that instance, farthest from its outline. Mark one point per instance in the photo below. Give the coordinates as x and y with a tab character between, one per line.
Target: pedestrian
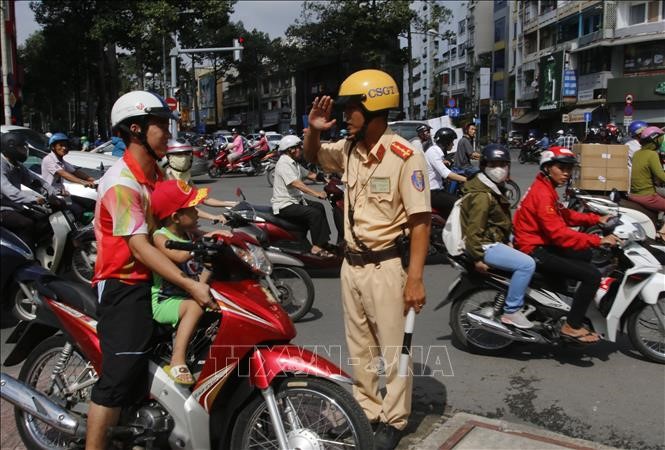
386	197
126	260
465	152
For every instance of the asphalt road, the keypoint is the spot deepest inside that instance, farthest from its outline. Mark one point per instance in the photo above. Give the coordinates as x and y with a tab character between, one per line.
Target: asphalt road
605	393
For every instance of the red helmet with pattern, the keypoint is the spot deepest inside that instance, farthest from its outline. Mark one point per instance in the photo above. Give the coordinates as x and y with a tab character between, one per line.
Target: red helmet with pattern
556	154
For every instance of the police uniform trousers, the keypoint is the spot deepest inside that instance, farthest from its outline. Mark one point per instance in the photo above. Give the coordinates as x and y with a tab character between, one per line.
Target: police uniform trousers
373	301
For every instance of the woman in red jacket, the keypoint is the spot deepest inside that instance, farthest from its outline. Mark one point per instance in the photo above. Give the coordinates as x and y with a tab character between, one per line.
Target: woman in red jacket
542	229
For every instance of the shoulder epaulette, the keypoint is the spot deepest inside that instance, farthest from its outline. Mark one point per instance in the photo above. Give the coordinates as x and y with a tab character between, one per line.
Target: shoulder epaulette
401	150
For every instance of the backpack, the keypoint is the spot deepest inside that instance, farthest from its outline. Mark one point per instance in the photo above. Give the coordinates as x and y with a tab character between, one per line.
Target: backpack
453	238
452	231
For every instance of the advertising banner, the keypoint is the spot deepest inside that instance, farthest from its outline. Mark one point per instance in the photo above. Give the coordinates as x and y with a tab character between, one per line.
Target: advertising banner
484	83
550	81
644	57
569	83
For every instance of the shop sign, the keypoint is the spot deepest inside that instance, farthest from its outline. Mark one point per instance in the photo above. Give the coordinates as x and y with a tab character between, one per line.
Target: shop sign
627	120
550	81
569	83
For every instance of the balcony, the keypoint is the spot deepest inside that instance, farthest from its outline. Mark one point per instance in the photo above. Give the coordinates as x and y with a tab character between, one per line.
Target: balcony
547	18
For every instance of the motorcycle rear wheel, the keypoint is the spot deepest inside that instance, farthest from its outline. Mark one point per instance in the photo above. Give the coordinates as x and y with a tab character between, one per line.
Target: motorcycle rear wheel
214	172
513	193
24	308
296	290
316	413
270	175
474	339
37	372
645	330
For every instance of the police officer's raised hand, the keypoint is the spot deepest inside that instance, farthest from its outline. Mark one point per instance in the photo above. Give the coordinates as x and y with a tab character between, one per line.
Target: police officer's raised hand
414	294
319	115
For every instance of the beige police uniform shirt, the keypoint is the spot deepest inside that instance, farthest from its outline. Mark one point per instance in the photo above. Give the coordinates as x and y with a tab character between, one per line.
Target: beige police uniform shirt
384	185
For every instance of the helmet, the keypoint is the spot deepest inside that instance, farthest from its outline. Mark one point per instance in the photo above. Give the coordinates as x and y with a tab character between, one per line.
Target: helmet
288	142
14	146
84	139
560	132
234	131
374	89
636	128
558	154
262	133
650	134
178	146
612	128
422	128
57	137
494	152
570	131
444	137
137	104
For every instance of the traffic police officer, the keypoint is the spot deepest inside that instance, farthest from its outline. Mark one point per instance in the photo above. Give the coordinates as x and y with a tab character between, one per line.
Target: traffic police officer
386	198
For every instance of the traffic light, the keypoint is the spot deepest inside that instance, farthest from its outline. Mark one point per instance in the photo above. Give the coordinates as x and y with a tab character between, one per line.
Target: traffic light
237	54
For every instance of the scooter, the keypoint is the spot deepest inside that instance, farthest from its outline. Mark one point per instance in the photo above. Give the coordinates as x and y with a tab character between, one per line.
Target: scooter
66	246
254	388
631	300
248	163
530	151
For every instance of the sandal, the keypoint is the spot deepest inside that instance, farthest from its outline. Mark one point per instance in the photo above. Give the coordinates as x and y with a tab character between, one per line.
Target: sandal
582	338
323	254
180	374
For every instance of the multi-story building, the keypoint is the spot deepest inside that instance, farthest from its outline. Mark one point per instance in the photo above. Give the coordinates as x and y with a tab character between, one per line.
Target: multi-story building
480	44
577	60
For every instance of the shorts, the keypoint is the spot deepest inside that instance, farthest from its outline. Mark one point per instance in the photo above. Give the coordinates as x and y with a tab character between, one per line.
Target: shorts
167	311
125	332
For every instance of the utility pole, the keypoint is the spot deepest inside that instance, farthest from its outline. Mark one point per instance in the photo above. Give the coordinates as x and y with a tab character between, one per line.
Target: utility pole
5	62
410	68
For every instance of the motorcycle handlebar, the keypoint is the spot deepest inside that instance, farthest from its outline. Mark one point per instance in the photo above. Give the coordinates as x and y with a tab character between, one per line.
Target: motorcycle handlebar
177	245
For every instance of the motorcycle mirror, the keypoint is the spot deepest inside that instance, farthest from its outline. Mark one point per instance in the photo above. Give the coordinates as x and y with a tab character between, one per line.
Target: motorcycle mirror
240	194
615	196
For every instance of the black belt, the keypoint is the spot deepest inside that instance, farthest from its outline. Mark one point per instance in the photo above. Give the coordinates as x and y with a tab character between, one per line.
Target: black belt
371	257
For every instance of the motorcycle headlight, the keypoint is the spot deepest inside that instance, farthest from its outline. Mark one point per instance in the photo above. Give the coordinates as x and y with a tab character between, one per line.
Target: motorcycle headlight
255	258
638	234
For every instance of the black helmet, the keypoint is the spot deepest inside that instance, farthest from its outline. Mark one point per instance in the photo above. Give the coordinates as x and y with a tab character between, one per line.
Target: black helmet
444	137
494	152
422	128
14	146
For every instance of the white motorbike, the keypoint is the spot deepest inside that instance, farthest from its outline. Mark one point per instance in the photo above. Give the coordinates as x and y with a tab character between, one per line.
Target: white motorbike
631	300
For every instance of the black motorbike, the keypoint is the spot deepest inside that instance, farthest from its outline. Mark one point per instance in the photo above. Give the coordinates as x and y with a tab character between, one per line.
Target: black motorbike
530	151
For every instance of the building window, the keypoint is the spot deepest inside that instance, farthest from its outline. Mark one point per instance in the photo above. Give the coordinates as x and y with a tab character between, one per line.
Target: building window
637	14
453	53
567	31
547	6
499	29
591	24
499	60
653	10
461	50
453	79
462	75
498	90
461	27
597	59
499	4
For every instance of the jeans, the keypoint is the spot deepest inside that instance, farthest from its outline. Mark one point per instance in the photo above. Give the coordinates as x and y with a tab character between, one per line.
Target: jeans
522	265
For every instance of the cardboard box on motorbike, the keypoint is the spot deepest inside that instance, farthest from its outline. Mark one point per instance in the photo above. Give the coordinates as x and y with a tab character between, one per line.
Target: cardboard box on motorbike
603	167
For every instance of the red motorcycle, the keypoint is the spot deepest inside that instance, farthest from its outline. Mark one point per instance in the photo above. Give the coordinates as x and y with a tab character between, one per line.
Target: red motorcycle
254	389
249	163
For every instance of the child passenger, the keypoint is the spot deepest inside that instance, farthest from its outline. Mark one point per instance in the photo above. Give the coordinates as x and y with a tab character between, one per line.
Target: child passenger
173	203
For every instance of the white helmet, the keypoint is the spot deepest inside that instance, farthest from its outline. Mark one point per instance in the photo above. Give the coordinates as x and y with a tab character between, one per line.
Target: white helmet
178	146
139	103
288	142
262	133
560	132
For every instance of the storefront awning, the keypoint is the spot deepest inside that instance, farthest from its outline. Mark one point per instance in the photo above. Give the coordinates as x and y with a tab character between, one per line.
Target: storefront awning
577	115
526	118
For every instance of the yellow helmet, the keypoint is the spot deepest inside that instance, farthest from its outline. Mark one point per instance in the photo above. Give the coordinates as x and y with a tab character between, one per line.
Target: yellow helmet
374	89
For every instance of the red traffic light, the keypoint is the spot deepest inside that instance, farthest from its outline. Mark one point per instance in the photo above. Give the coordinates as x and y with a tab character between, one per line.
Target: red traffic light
241	40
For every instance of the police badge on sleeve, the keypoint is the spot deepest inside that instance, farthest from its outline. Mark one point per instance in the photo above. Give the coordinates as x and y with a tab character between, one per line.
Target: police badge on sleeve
418	180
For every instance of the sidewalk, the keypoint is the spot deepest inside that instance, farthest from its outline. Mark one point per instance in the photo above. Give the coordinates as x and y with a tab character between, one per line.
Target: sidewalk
465	431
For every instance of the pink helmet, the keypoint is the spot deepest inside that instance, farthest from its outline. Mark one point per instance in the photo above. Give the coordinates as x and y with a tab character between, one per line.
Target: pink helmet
650	134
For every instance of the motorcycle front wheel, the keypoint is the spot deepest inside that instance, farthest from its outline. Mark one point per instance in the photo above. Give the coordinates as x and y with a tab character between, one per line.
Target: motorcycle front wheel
471	337
295	289
645	328
214	172
270	175
316	413
83	261
25	307
70	387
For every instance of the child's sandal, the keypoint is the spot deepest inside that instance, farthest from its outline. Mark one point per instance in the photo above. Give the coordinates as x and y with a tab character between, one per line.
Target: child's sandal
180	374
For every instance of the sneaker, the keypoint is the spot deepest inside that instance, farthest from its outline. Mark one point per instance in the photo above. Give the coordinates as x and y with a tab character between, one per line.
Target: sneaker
516	319
387	437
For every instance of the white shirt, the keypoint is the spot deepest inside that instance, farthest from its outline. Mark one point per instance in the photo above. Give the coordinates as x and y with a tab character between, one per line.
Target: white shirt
287	171
436	169
50	166
633	146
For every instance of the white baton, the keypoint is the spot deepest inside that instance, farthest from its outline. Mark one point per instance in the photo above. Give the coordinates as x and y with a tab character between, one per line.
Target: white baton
406	342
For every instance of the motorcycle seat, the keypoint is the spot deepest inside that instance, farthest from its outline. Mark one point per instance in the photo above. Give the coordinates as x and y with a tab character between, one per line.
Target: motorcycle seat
79	296
287	225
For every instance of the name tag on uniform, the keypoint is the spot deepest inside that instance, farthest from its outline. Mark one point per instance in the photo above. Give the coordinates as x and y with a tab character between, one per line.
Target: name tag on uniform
379	185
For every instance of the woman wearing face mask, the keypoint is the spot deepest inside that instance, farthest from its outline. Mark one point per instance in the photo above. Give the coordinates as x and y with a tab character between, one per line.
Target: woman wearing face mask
542	230
486	227
179	157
